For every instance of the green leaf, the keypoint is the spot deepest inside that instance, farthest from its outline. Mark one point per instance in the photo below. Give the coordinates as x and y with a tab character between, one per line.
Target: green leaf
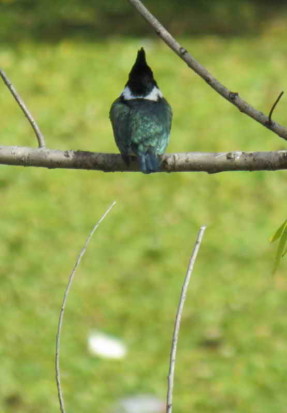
279	232
281	249
284	253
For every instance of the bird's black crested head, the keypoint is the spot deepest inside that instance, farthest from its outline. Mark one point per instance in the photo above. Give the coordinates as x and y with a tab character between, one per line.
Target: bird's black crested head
141	81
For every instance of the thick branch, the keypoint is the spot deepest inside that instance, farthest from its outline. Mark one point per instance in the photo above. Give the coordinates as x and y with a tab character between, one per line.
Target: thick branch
175	162
232	97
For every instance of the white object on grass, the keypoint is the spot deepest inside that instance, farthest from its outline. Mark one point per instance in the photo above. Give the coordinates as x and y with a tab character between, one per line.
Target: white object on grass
106	346
140	403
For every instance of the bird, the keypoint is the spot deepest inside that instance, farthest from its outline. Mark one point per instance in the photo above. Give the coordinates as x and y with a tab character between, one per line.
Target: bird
141	118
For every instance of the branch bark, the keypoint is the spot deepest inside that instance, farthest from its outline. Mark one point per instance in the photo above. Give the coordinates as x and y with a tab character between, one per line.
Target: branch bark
175	162
232	97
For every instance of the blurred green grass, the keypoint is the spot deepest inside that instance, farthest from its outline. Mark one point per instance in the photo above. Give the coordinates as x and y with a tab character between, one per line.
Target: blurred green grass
130	279
48	21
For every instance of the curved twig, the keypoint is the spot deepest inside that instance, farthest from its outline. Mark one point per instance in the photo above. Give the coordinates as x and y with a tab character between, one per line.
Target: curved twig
274	106
60	322
232	97
25	110
178	319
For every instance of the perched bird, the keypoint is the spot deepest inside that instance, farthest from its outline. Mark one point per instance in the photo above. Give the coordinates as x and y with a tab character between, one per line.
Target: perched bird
141	118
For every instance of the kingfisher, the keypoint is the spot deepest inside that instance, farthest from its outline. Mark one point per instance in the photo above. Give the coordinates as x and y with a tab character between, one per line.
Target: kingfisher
141	118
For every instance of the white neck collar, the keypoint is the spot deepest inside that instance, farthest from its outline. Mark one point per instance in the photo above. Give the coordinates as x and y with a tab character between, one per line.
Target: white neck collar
153	95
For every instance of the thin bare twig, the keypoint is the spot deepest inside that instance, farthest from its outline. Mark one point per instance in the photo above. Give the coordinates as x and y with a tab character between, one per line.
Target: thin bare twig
61	316
232	97
274	106
19	100
178	319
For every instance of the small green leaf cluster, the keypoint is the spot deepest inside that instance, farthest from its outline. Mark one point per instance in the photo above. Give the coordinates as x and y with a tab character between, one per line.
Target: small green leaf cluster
281	236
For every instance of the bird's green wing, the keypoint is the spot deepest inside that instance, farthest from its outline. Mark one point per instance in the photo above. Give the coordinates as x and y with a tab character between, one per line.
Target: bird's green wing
119	116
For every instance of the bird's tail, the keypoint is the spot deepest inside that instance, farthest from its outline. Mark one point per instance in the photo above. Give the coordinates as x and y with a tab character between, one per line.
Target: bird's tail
149	162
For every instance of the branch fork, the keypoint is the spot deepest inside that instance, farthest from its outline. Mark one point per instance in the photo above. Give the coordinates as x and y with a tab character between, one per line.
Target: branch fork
200	70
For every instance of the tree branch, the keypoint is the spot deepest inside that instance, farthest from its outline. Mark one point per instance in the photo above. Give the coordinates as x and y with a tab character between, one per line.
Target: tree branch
175	162
19	100
232	97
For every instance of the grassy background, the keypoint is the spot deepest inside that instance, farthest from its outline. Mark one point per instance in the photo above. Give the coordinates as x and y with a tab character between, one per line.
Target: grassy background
232	350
